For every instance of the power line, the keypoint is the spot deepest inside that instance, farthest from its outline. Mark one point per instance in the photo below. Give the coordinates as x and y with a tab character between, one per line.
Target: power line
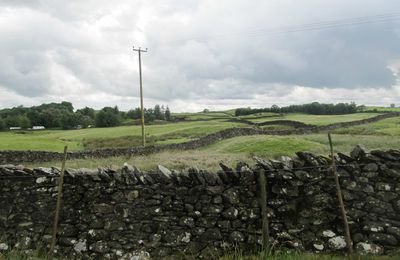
323	25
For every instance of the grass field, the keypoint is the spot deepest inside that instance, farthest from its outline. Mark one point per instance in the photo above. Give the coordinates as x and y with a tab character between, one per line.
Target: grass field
54	140
261	116
390	126
374	136
203	115
318	119
379	109
268	116
128	136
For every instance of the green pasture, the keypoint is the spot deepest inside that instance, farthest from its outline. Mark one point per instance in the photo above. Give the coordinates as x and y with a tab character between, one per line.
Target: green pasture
269	116
318	119
260	116
40	140
276	146
378	135
204	115
54	140
230	112
389	126
379	109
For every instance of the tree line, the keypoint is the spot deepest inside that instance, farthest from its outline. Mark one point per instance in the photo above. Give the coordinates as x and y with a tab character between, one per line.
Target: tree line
62	115
314	108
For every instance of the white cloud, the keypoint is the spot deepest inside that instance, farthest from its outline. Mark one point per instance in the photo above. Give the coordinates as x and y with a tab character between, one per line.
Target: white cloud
215	54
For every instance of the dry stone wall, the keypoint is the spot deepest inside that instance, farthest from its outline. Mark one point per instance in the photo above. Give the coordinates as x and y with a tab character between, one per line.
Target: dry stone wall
126	213
16	157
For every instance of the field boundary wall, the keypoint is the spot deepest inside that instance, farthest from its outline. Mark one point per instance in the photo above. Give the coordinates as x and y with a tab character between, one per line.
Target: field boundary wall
126	213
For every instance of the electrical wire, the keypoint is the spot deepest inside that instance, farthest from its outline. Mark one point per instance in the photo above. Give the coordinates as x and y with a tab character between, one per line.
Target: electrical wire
323	25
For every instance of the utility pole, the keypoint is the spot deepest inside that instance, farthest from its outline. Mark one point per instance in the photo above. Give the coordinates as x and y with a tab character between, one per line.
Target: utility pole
139	50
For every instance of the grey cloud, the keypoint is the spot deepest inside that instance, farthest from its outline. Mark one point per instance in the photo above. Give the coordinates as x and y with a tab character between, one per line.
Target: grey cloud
91	41
19	3
26	73
361	61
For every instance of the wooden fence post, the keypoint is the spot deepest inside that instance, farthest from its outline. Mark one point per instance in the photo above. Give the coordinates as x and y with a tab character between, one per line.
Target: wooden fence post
263	203
58	205
340	198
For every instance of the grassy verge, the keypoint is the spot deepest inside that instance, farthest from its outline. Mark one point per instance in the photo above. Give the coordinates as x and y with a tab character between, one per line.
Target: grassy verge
177	160
290	255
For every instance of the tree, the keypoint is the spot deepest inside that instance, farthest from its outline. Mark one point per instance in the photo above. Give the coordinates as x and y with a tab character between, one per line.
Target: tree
17	121
163	110
314	108
2	124
275	109
68	106
107	117
70	120
134	113
361	108
167	114
62	115
244	111
149	115
392	105
87	111
34	117
50	118
157	112
11	121
85	121
24	122
116	110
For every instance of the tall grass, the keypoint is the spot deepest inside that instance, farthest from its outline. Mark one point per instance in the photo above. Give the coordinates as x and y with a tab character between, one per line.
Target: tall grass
293	255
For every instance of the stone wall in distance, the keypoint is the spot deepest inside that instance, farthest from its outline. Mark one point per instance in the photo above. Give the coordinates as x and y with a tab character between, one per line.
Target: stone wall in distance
17	157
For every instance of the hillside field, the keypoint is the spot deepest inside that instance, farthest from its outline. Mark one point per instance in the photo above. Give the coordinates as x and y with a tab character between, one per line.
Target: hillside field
383	134
129	136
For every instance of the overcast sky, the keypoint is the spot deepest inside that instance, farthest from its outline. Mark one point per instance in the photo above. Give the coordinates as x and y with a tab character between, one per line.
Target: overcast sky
202	54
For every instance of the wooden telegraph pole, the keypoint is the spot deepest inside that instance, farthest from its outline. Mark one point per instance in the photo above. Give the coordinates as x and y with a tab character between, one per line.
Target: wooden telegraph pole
139	50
